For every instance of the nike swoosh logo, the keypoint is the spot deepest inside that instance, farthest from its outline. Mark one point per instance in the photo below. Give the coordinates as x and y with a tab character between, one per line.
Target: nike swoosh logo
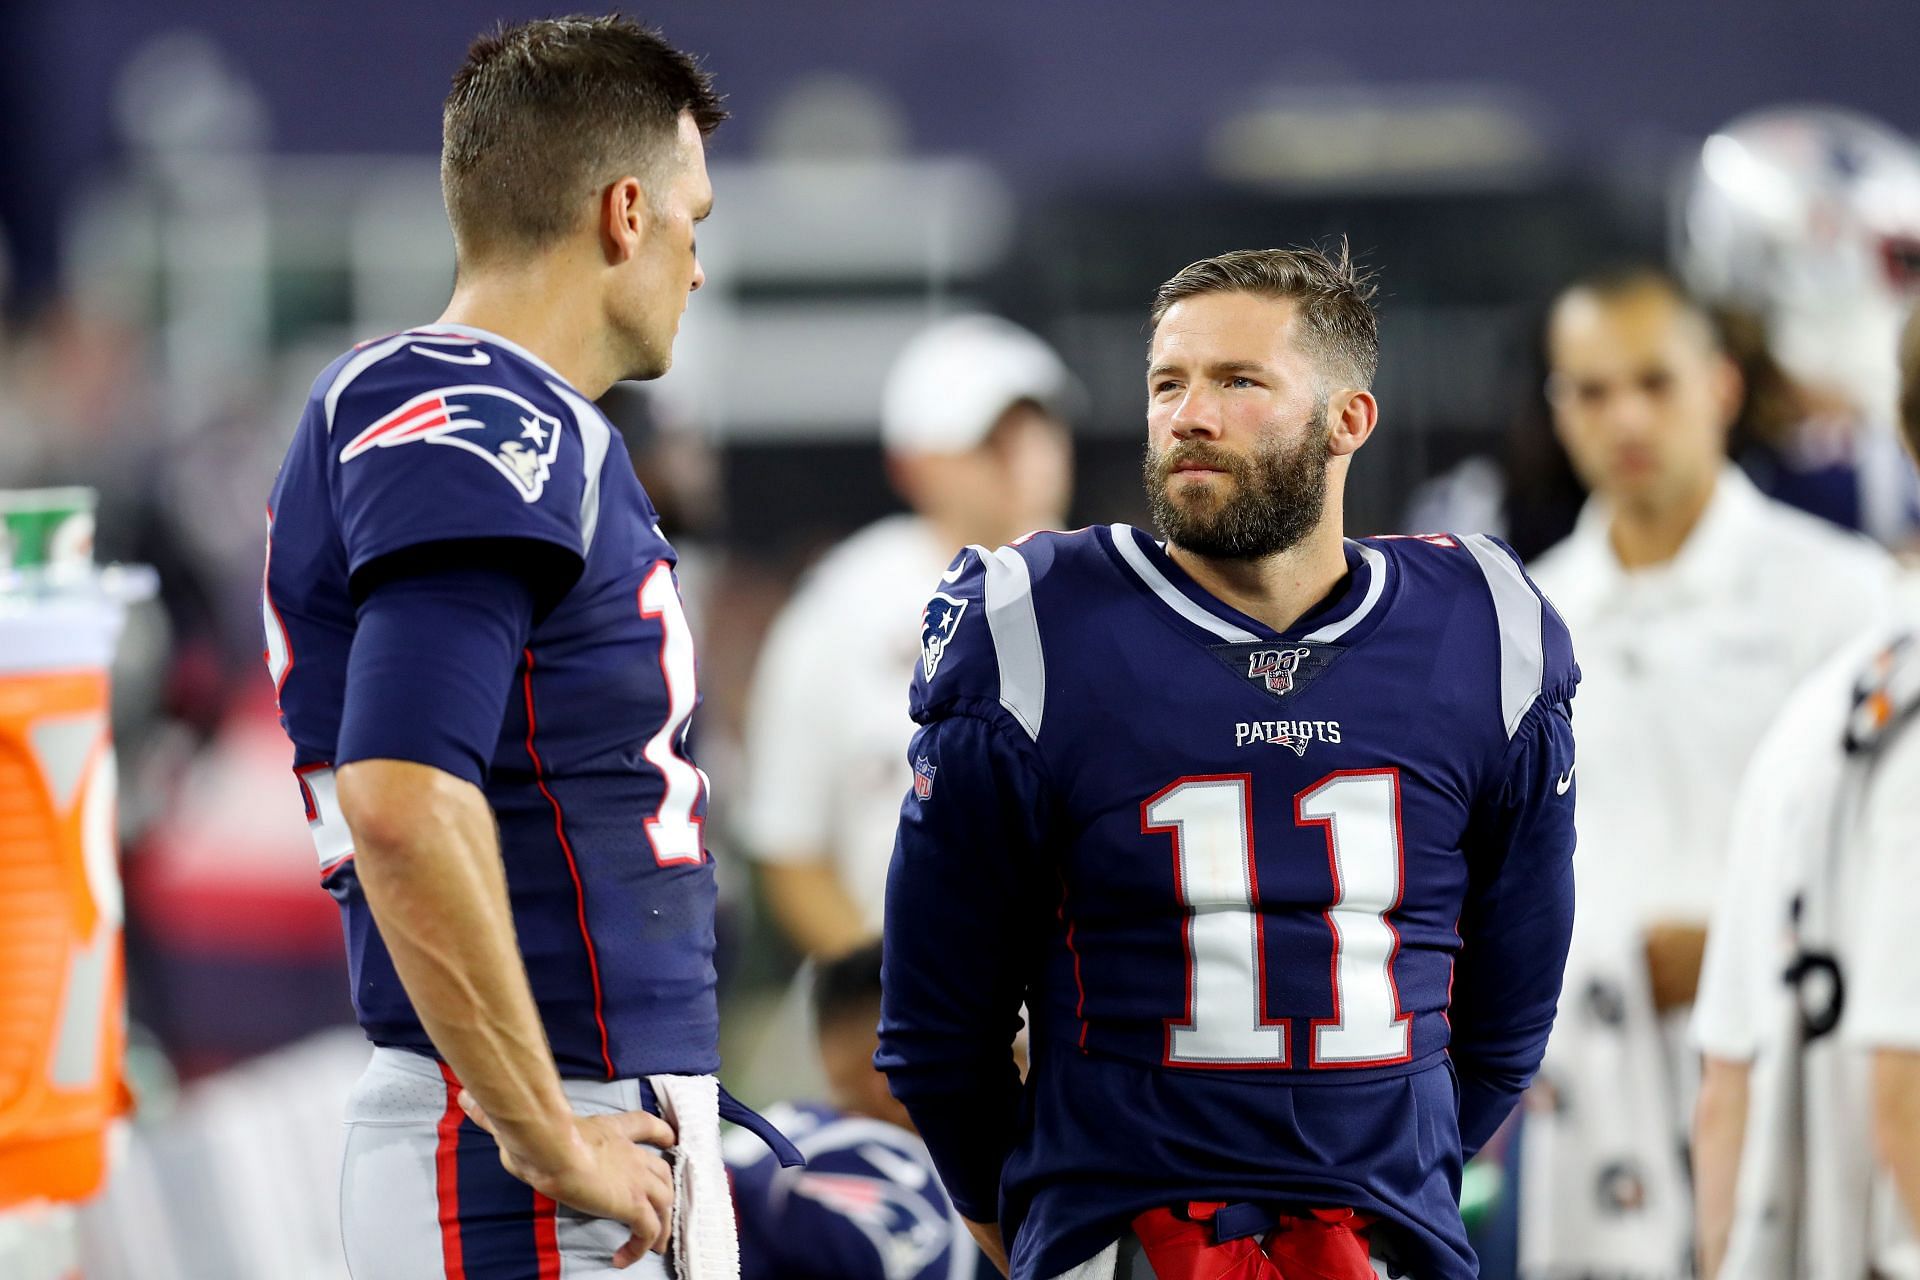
1564	781
472	357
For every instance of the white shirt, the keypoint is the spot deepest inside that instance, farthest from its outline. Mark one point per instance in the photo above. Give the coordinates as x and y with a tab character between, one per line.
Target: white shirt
1683	665
1838	834
827	724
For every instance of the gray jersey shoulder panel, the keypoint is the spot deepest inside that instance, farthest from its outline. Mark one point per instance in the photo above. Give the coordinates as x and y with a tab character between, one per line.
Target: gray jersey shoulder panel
1516	608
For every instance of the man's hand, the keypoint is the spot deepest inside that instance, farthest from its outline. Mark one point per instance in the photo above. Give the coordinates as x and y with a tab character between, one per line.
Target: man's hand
1675	949
608	1174
987	1236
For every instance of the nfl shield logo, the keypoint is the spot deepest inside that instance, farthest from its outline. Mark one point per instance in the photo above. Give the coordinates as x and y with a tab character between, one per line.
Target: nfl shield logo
1275	668
922	779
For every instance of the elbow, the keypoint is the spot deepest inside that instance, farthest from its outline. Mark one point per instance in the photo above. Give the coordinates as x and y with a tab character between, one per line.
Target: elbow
1896	1105
394	806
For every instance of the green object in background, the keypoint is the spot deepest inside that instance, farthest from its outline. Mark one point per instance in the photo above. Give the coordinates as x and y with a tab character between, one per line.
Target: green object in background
46	535
1481	1184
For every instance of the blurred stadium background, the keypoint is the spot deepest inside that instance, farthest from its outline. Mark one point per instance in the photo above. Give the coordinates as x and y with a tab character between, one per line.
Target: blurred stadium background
203	200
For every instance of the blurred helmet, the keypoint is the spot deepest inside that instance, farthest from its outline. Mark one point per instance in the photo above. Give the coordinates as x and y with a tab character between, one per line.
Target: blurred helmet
1810	216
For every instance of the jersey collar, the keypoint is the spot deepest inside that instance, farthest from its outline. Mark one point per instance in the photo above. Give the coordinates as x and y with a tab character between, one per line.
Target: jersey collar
1337	619
494	340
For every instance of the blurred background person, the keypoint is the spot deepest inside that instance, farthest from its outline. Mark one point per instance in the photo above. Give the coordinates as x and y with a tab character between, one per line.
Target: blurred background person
1807	1128
869	1204
978	446
1695	605
1806	220
973	421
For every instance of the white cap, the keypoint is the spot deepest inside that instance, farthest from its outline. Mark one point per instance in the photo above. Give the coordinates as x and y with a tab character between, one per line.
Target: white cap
952	382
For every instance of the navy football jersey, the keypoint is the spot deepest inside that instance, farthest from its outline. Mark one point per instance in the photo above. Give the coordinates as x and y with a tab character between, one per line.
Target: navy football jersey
868	1205
451	433
1289	911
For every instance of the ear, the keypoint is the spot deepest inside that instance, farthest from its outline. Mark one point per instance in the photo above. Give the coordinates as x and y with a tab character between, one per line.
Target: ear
1730	389
625	219
1351	417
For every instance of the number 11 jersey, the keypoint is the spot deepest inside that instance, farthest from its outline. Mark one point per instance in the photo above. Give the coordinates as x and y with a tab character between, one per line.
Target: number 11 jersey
1288	910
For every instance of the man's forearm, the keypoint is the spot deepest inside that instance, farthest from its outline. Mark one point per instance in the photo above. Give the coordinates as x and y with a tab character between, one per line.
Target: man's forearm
428	857
1719	1133
1896	1121
813	907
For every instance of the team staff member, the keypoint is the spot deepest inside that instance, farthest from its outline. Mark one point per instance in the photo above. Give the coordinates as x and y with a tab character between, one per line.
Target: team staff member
973	421
1696	604
483	663
1807	1132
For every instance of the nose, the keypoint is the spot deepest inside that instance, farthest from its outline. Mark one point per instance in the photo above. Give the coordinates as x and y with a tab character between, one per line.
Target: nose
1195	416
699	275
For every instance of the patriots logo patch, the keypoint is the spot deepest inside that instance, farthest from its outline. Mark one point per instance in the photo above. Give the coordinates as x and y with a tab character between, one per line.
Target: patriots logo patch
517	439
937	624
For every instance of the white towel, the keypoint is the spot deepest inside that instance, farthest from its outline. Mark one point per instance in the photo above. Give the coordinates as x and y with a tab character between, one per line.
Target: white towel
705	1243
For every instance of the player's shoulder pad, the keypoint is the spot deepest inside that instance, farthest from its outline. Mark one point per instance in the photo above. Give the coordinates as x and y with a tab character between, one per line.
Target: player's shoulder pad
452	389
1536	659
981	645
1886	694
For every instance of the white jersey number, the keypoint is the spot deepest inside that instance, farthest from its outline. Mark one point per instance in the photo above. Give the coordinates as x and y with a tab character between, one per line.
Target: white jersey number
1217	879
673	831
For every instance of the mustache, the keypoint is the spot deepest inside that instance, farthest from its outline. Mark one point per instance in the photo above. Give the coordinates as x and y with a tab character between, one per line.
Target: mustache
1200	452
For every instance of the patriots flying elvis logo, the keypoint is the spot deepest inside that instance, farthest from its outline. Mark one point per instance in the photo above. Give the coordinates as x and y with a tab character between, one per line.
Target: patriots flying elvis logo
937	623
517	439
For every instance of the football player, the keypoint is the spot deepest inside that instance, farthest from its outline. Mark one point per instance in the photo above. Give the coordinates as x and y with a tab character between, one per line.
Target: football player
482	660
1270	828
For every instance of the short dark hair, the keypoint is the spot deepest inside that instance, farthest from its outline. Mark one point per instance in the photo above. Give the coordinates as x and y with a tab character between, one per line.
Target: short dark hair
1623	279
847	986
543	112
1334	296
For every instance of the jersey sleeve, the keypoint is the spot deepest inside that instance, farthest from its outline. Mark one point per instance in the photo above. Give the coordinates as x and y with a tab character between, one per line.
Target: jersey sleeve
1517	922
422	456
1883	1000
1726	1022
960	939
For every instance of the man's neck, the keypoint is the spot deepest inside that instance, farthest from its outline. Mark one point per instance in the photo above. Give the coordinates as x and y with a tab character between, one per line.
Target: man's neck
544	313
1645	536
1278	589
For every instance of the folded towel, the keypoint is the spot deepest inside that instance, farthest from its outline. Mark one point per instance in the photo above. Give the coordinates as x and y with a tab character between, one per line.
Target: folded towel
705	1243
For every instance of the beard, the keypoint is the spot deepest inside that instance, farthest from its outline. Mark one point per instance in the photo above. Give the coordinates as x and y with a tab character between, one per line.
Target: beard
1276	498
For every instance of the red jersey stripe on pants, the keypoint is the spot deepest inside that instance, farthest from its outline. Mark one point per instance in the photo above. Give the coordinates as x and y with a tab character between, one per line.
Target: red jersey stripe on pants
423	1195
1325	1244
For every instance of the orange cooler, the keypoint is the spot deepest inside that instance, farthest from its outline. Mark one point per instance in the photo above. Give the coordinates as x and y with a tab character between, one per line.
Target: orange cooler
62	984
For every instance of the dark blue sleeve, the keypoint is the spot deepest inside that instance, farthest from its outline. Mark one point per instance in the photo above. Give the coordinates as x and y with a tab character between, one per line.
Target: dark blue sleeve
432	666
419	460
959	943
1516	924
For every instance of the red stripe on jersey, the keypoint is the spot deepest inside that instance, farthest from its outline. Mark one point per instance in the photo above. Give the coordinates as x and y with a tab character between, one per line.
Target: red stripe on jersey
546	1237
422	417
446	1179
1080	1006
573	869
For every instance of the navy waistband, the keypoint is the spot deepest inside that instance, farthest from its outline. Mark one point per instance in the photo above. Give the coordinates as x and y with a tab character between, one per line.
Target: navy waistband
737	1112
